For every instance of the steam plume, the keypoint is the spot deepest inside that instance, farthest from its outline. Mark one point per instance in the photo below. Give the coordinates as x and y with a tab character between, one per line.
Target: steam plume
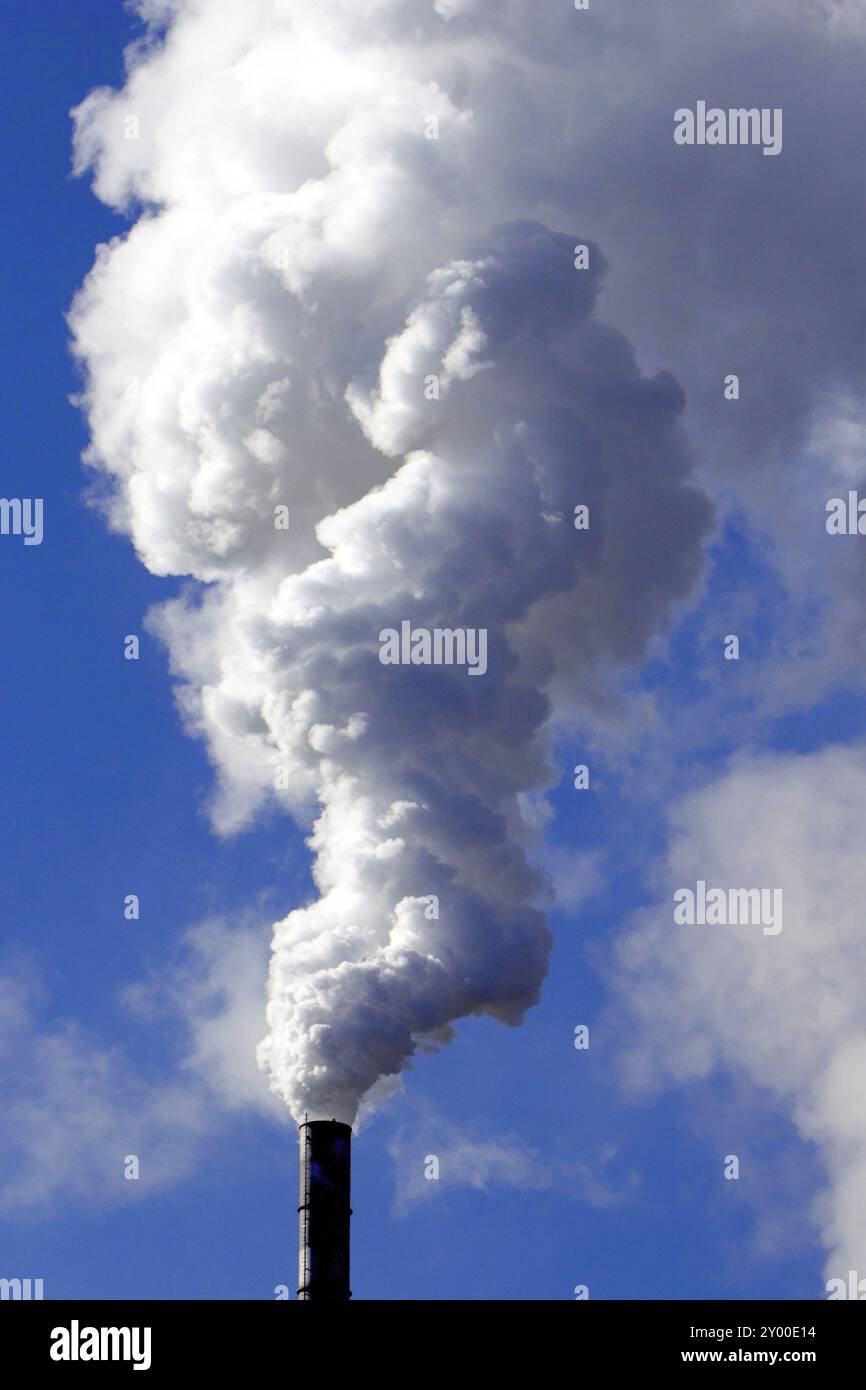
304	262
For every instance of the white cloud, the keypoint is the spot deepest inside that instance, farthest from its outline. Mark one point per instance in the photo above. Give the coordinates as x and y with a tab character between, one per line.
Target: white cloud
467	1156
75	1106
786	1013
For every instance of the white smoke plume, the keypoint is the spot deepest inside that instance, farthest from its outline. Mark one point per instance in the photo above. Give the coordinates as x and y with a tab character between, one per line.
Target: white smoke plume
304	260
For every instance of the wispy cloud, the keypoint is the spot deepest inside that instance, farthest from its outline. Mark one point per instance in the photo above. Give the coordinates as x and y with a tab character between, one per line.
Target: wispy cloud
431	1155
76	1107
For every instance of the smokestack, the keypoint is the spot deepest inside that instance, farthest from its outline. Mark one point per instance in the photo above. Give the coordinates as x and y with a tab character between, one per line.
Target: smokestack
326	1165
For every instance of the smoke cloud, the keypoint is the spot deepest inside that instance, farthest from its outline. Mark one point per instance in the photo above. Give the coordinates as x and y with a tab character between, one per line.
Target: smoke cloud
332	301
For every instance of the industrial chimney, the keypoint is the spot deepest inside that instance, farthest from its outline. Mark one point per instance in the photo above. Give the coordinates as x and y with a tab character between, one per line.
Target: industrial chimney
326	1164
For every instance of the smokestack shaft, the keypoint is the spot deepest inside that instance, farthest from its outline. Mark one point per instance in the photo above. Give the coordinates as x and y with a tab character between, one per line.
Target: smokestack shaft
324	1211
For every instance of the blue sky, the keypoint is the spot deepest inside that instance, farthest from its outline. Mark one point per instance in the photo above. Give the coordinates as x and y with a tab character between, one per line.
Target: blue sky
104	795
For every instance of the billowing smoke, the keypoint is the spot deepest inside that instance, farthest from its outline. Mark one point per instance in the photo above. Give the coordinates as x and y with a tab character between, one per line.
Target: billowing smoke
332	312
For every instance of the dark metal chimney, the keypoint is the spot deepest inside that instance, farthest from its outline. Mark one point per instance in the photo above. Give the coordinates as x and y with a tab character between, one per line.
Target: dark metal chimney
326	1166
